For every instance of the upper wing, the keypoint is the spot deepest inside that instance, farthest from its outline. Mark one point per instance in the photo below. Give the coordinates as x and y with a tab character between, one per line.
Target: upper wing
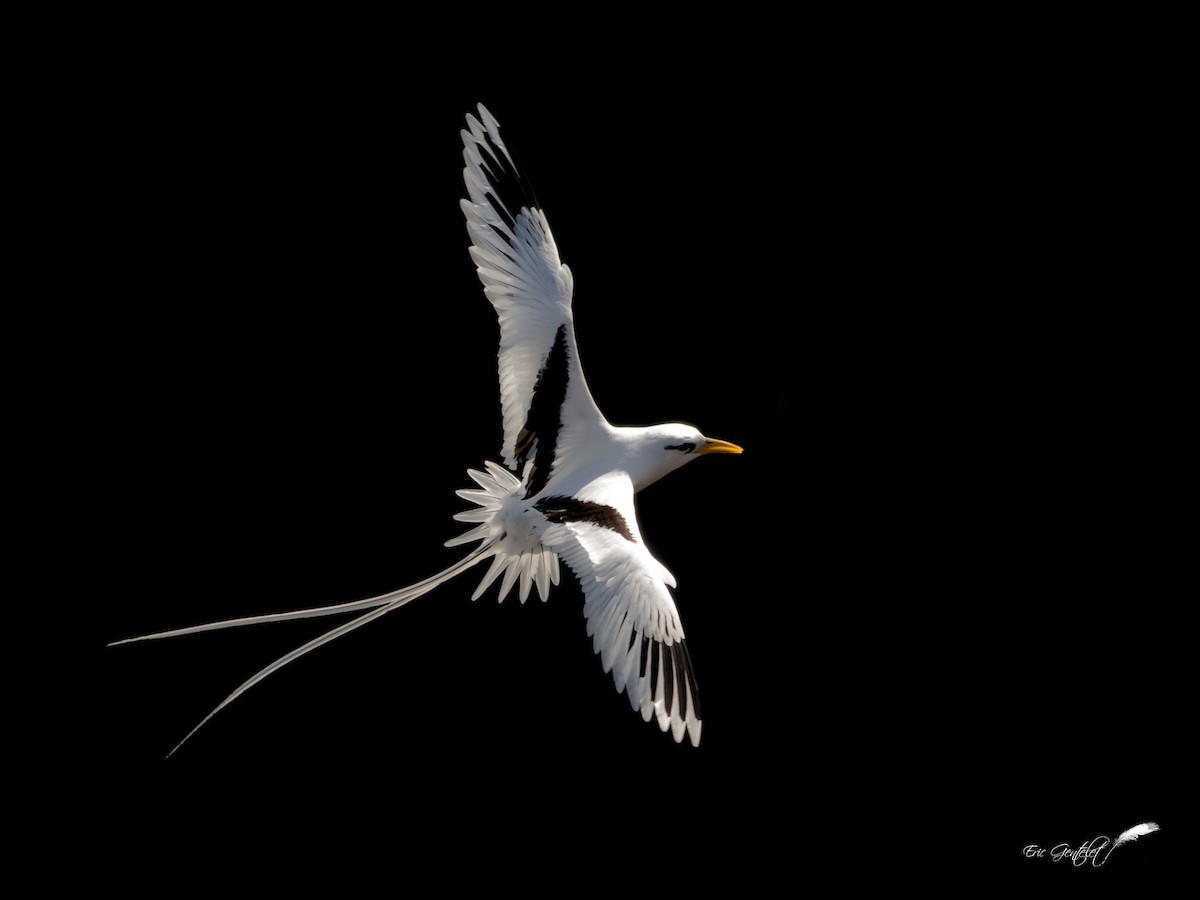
544	396
631	615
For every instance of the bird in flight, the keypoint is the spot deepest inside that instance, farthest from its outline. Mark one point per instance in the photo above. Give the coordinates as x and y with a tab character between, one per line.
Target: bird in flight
566	491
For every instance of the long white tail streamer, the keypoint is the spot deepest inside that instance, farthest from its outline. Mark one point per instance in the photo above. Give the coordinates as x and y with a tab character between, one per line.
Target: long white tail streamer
515	558
402	595
379	606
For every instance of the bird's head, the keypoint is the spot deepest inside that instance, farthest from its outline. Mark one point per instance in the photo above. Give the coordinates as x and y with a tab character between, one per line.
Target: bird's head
668	447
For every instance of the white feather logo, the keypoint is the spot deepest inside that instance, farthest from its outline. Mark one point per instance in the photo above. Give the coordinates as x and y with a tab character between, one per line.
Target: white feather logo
1135	832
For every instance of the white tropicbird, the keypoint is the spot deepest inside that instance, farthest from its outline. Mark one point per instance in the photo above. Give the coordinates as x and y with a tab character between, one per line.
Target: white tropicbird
578	473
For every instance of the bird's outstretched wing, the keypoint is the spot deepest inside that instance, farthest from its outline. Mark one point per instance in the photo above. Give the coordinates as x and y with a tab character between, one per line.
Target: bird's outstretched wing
546	403
631	615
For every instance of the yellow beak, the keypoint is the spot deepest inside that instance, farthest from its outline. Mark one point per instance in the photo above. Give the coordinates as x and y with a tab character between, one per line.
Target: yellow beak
711	445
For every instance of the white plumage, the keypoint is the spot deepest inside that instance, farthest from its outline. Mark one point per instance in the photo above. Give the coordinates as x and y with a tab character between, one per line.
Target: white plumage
1135	832
630	613
568	491
529	287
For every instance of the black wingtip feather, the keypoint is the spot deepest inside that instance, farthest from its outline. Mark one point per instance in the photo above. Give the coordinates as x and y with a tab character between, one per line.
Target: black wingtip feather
501	211
691	678
669	679
681	679
511	188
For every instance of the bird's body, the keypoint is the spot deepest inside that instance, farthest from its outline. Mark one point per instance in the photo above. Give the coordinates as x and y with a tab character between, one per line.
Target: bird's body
568	490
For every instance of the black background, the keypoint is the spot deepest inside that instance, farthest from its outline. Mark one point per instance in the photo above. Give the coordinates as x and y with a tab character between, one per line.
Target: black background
931	299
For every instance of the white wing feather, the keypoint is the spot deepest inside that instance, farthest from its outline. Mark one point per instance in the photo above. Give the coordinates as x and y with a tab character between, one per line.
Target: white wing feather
631	616
1135	832
517	261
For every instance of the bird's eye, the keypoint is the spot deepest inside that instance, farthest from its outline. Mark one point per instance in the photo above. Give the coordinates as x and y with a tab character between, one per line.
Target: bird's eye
686	448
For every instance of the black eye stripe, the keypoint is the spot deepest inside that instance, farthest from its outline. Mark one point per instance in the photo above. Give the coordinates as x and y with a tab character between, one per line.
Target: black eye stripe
686	448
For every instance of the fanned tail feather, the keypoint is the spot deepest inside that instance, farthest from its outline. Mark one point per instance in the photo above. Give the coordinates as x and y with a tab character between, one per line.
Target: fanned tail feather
518	559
